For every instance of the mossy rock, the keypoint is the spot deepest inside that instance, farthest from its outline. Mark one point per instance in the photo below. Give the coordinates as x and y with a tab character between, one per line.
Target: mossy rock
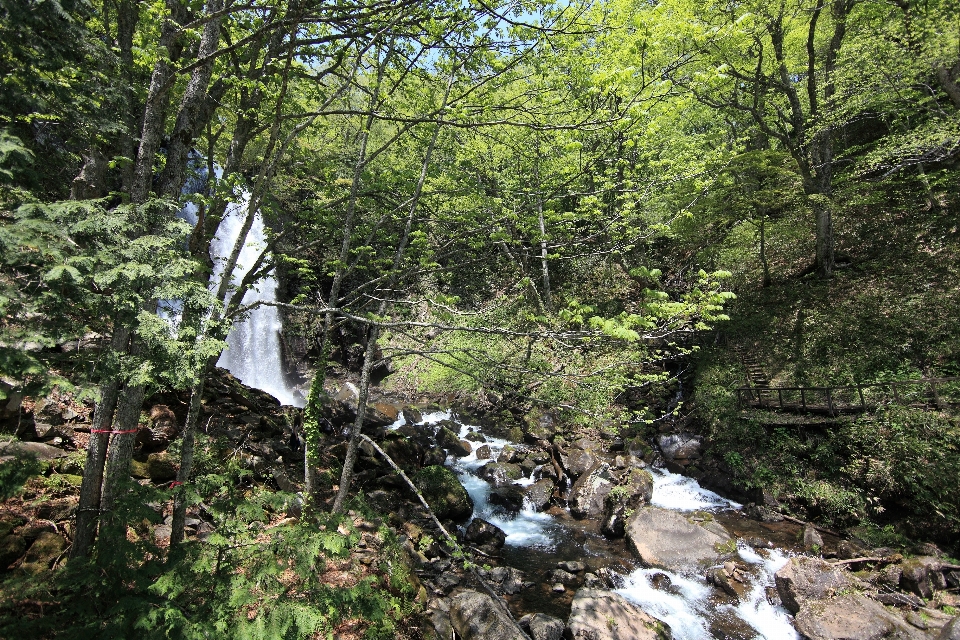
8	523
11	548
443	492
158	467
43	551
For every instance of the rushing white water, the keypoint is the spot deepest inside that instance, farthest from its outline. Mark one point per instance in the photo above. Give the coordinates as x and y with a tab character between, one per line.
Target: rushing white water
686	605
253	353
526	528
682	493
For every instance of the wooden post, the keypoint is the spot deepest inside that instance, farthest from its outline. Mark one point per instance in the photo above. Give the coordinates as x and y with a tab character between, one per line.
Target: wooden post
780	396
830	401
803	399
896	394
863	404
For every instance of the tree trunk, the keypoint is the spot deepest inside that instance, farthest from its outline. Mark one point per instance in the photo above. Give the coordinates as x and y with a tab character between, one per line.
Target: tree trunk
186	458
346	476
821	155
763	252
191	117
121	445
88	509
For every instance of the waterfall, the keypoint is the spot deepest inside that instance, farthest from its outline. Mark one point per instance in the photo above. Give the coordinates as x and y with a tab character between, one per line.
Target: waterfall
253	354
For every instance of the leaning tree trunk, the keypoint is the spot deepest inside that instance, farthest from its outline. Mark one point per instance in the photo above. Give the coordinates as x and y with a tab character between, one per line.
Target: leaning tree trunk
121	445
186	457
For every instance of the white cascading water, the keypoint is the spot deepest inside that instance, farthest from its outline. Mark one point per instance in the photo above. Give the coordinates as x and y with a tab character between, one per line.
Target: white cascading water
687	605
253	352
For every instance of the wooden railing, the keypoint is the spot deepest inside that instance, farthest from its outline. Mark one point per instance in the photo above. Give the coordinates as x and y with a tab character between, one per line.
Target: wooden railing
938	393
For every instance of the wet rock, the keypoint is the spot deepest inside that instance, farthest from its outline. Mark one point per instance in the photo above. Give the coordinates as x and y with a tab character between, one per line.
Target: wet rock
725	578
348	396
558	588
412	415
12	547
443	492
44	550
475	616
508	454
589	492
540	626
623	500
576	461
452	442
666	539
506	579
284	483
499	473
508	496
606	615
407	453
680	446
573	566
473	436
804	579
38	450
158	467
538	494
481	532
483	452
434	456
851	617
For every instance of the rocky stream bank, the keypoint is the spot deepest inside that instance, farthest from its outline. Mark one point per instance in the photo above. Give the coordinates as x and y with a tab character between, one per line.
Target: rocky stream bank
558	534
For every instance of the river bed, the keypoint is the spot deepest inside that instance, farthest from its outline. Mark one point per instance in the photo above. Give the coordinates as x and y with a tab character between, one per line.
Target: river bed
695	610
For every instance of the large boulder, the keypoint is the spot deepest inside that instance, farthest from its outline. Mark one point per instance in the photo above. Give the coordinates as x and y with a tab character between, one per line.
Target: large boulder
538	494
481	532
680	446
623	500
605	615
475	616
509	496
158	467
452	442
539	426
44	550
666	539
951	630
406	452
916	575
500	473
540	626
38	450
577	461
11	548
589	491
805	579
851	617
443	492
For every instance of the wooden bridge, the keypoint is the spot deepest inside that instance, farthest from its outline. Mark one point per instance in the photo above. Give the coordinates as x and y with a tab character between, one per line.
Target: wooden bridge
928	393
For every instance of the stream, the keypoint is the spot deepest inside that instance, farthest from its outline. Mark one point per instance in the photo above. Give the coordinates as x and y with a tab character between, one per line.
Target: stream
695	610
